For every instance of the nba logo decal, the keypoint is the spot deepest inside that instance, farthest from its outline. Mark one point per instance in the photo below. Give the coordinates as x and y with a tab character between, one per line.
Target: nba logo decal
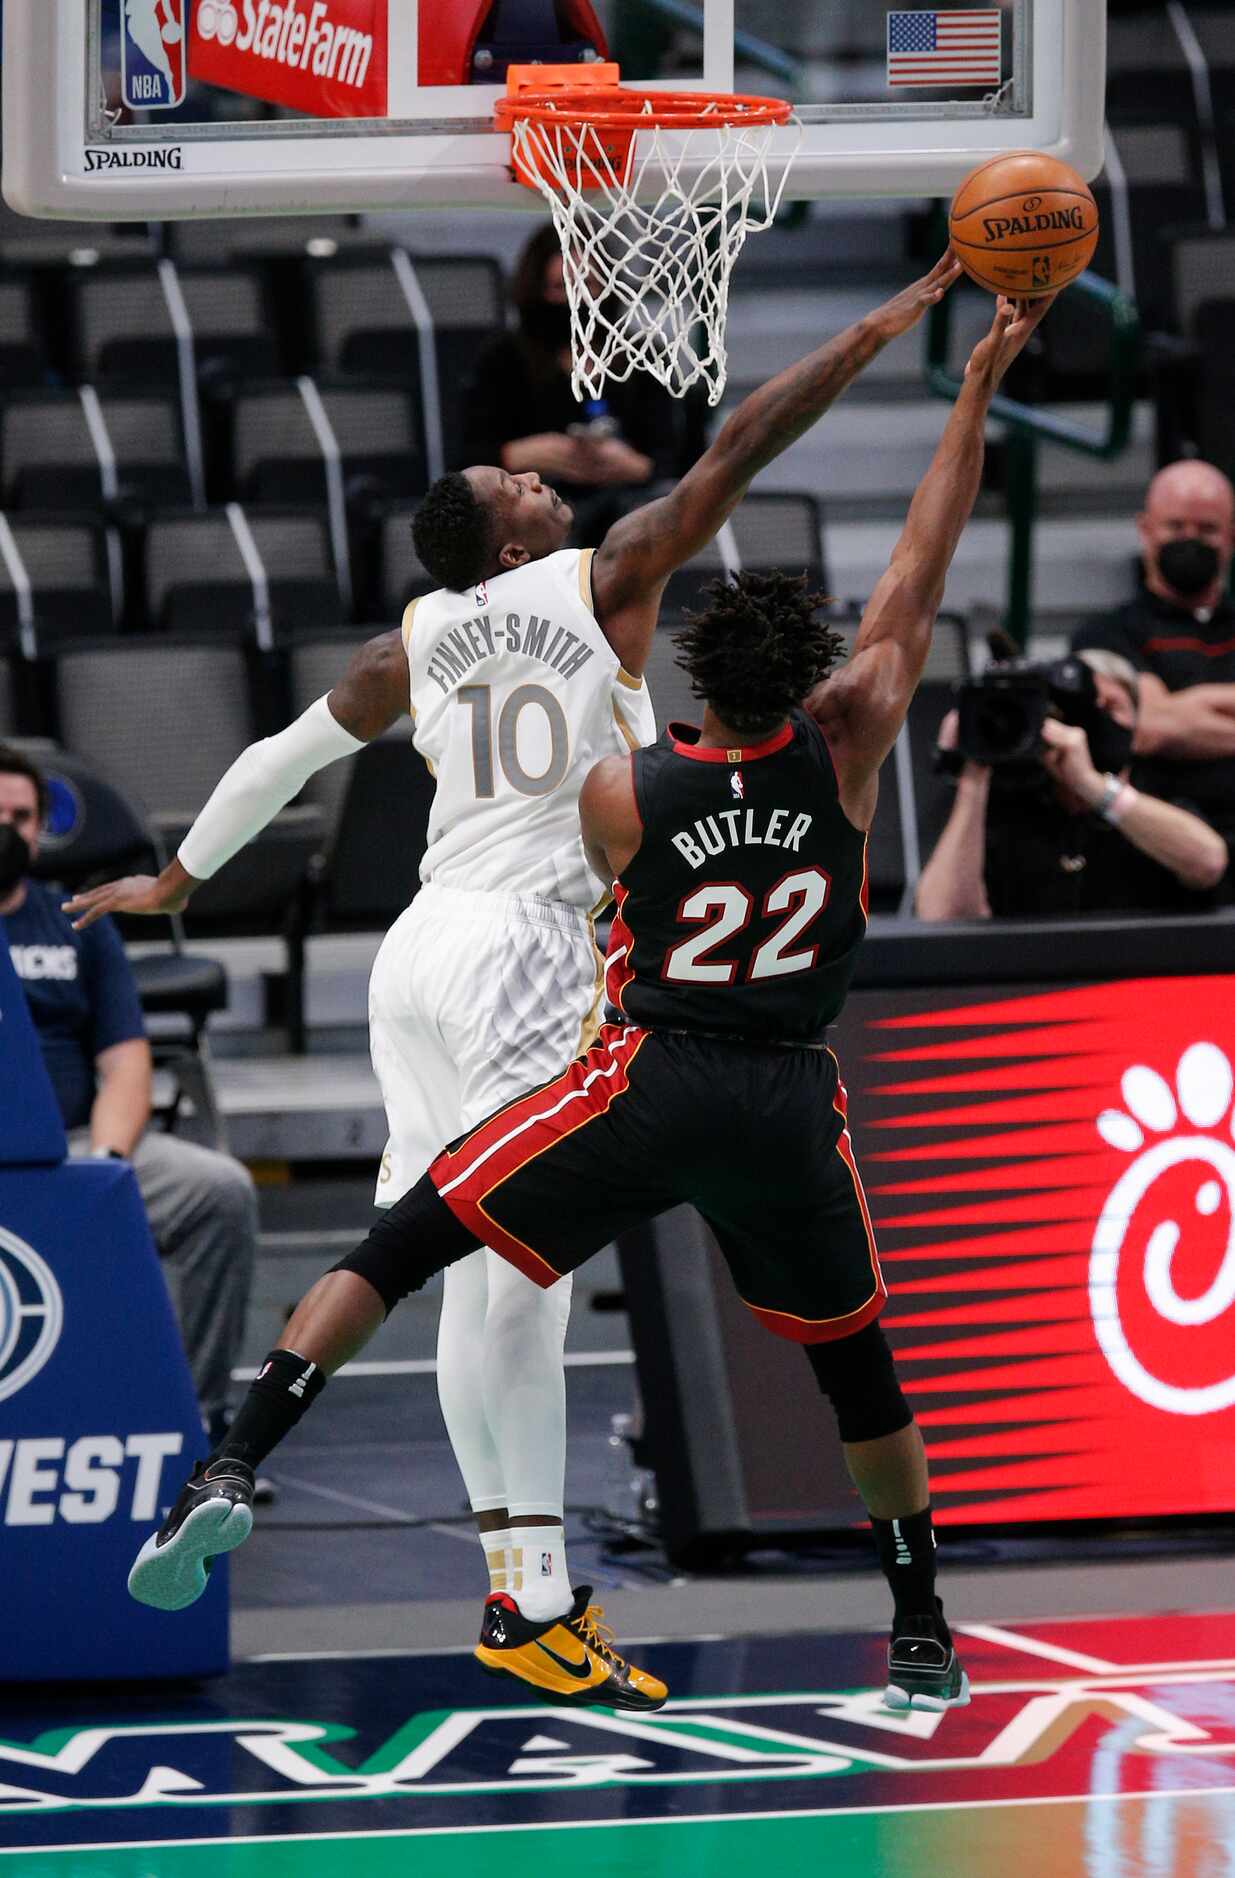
736	784
152	54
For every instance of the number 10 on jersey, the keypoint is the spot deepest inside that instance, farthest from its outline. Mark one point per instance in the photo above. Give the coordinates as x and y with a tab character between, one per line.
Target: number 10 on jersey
478	699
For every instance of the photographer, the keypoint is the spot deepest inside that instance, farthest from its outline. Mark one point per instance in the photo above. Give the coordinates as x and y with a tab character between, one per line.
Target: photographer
201	1205
1047	823
1179	633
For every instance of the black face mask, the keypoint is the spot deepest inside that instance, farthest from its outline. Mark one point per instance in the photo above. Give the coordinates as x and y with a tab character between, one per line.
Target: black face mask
547	323
1110	744
1188	565
14	858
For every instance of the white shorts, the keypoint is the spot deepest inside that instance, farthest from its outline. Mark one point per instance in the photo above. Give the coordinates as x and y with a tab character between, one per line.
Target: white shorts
475	998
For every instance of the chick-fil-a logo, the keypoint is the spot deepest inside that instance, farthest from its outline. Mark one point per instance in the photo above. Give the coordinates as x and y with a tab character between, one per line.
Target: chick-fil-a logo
1162	1269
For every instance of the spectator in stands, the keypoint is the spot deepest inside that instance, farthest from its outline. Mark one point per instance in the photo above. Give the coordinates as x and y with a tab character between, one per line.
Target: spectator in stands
1179	632
1075	840
521	412
201	1205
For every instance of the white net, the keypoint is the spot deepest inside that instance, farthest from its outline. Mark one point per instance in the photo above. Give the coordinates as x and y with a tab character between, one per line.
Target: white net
648	252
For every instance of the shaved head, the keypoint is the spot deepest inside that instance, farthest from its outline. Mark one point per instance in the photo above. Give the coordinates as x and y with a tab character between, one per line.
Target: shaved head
1191	483
1188	500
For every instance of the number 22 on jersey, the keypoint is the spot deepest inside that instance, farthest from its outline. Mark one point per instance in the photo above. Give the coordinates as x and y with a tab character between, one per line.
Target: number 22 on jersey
727	909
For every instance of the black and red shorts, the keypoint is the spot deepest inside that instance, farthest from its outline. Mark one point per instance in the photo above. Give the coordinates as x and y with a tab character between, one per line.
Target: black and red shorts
753	1135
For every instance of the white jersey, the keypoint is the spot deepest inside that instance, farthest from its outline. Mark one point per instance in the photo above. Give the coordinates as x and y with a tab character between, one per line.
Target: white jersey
516	694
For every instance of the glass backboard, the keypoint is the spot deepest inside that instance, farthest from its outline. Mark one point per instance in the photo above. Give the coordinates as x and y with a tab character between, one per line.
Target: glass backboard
165	108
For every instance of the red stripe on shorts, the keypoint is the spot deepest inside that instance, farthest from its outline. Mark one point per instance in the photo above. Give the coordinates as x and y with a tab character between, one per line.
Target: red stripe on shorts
820	1330
467	1174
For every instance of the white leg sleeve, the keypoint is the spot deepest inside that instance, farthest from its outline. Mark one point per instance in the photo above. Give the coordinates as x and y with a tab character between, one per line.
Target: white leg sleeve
460	1347
524	1386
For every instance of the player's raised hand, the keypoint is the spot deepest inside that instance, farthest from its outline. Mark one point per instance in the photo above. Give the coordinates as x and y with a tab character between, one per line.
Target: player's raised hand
906	308
1011	327
135	893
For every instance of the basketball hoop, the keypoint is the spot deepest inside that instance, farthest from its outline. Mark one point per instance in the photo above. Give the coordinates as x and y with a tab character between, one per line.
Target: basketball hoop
652	195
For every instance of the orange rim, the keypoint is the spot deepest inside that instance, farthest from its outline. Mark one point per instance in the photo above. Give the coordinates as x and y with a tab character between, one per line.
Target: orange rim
619	108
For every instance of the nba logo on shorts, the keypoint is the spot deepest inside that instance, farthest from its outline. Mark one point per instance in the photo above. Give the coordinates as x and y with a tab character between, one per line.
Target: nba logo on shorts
152	53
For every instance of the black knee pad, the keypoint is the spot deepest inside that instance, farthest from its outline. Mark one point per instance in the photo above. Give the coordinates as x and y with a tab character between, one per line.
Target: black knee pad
858	1377
417	1237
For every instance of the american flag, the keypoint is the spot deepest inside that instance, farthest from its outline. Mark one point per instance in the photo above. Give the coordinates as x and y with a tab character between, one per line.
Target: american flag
954	48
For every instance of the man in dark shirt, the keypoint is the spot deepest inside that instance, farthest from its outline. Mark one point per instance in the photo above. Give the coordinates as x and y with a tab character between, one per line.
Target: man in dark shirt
201	1205
1179	633
1074	839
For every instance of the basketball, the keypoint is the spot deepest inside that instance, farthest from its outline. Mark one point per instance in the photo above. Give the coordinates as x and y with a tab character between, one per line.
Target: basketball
1023	224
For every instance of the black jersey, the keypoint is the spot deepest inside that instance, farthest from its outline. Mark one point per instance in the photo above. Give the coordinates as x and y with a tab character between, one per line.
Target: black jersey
743	910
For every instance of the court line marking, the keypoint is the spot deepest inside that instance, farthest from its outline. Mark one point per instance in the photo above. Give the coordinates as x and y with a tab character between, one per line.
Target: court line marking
308	1840
435	1649
470	1537
427	1365
1037	1646
401	1516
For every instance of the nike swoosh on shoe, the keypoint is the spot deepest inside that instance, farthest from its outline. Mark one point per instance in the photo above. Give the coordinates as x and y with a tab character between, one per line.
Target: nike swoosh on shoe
580	1671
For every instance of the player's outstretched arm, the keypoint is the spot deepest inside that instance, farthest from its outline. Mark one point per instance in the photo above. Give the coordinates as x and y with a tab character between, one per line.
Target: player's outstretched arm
862	708
640	552
372	694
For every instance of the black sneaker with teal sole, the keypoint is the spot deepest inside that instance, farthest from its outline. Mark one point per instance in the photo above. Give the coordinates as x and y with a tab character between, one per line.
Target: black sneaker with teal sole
213	1514
924	1670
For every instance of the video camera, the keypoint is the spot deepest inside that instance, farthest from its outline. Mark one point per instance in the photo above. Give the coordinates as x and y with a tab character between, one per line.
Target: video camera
1001	714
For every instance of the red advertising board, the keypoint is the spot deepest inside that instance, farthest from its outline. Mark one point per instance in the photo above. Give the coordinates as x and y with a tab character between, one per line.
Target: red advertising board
1052	1180
327	58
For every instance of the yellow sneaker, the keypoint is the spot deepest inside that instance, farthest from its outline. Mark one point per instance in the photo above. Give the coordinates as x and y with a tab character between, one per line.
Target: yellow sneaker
568	1661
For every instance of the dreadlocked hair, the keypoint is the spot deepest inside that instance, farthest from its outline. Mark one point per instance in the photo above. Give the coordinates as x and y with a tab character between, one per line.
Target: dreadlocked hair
756	649
453	533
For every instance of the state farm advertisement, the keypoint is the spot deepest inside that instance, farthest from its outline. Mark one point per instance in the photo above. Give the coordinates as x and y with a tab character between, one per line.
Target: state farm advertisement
327	58
1052	1179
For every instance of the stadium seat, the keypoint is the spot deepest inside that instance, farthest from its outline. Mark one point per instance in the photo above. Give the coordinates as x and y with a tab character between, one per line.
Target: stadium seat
126	323
1215	430
1192	389
1146	69
70	583
278	455
1213	28
1161	165
1203	268
199	579
25	242
672	698
78	450
164	719
374	869
316	663
403	575
23	358
765	531
365	312
374	806
258	238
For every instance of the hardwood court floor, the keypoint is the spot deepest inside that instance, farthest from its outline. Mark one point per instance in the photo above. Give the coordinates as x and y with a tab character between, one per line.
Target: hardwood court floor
1099	1748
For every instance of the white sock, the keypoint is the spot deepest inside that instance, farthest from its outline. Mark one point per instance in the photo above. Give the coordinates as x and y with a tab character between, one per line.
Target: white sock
497	1558
540	1582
